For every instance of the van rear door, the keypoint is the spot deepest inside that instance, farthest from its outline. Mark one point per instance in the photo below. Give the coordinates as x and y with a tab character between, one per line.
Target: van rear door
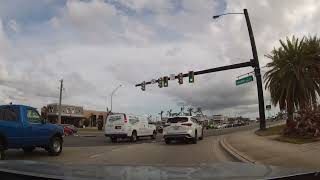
115	123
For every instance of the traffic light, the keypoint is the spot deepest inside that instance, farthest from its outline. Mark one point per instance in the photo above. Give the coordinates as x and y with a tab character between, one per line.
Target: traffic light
160	82
165	81
191	77
180	78
143	86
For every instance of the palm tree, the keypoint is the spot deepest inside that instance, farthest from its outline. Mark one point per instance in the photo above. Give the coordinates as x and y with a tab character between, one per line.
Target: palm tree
190	111
169	113
161	112
199	110
293	77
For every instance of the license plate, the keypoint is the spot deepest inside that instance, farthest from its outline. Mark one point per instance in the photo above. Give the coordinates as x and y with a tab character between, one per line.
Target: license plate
118	127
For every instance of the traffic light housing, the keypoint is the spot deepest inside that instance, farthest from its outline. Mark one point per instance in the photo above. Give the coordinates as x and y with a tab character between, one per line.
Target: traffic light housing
165	81
143	86
180	78
191	77
160	82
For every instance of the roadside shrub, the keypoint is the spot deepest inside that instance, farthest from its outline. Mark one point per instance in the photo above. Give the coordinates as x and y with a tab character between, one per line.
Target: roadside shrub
306	125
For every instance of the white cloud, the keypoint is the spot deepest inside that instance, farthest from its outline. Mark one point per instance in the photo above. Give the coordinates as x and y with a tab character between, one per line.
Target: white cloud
14	26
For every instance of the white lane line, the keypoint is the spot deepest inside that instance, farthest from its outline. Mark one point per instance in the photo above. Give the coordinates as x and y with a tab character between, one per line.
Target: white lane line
96	155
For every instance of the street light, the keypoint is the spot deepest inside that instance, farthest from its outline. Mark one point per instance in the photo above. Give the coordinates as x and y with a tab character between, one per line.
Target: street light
217	16
255	64
113	94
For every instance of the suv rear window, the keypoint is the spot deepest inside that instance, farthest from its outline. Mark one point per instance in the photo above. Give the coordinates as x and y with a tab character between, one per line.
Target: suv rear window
177	120
9	113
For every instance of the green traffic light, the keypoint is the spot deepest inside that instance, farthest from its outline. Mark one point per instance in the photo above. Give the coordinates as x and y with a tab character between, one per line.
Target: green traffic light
191	77
165	81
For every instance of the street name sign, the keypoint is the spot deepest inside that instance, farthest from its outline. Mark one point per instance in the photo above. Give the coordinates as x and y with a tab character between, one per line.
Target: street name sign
244	80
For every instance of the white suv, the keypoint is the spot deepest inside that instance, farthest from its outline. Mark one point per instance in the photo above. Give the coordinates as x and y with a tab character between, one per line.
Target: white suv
183	128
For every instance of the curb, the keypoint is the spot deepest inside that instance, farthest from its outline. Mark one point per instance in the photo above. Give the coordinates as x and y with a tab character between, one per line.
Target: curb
235	153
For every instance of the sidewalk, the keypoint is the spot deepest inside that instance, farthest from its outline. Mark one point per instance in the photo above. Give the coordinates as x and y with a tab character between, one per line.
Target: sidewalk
265	150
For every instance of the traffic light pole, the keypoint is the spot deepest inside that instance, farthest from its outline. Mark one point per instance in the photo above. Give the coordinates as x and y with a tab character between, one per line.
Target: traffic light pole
256	72
253	63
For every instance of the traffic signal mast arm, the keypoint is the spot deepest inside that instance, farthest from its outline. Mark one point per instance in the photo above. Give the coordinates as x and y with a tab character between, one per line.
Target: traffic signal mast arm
206	71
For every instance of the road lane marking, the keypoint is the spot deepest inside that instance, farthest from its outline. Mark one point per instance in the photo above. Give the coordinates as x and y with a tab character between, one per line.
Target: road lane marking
96	155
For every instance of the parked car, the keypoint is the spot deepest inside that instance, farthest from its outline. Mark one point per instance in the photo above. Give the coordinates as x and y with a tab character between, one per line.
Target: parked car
74	129
185	128
127	126
221	126
211	126
22	127
69	129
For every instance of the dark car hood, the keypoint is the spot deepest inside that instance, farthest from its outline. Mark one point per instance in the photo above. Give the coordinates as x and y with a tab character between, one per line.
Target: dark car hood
230	170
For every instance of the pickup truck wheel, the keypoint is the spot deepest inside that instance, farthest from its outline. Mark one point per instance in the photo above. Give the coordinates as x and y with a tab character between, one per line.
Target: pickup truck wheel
167	141
154	135
28	149
55	146
134	137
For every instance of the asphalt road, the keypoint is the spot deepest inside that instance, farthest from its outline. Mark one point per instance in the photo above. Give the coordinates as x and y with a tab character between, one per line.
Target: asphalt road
98	139
141	153
95	148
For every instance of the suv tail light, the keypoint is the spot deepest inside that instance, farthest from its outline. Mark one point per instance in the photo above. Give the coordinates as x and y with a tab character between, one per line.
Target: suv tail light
186	124
125	119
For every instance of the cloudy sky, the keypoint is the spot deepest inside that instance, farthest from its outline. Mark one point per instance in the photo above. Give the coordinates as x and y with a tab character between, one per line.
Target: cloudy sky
97	45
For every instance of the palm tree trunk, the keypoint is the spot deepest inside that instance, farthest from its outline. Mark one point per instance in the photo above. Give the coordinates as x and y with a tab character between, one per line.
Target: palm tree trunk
290	123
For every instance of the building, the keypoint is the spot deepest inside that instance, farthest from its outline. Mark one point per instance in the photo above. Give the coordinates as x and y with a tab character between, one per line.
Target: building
203	119
236	120
92	117
71	114
219	119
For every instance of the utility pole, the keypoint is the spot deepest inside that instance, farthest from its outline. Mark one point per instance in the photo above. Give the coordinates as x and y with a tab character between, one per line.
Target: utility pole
60	97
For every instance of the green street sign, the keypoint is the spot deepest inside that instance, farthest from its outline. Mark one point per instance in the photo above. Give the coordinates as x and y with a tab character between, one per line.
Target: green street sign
244	80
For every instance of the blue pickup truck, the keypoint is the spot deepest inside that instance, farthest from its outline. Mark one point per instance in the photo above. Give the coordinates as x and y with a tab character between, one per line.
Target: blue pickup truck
22	127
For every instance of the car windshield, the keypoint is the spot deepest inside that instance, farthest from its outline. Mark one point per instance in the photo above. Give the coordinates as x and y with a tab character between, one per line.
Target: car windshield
177	120
161	85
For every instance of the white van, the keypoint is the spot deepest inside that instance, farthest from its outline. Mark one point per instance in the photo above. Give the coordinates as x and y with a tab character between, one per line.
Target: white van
128	126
